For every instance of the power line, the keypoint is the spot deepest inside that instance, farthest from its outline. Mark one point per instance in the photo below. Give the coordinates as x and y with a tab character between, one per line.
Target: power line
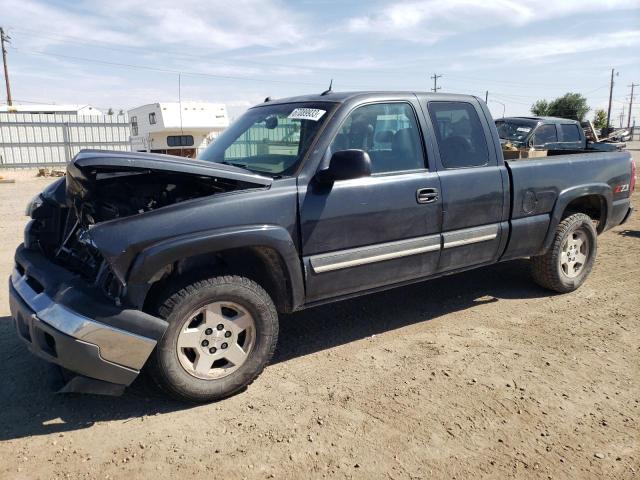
166	70
180	55
104	45
475	80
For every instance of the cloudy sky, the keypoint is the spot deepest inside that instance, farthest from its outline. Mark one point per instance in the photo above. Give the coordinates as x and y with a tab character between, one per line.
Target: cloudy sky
122	54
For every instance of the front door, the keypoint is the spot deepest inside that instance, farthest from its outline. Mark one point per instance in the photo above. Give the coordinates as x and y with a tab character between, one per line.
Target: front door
379	230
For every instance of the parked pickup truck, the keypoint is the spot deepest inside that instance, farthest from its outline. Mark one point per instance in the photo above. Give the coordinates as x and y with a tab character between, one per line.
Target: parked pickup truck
556	136
182	266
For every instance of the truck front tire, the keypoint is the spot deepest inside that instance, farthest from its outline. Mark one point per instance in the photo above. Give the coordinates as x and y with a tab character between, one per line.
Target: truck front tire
569	260
222	333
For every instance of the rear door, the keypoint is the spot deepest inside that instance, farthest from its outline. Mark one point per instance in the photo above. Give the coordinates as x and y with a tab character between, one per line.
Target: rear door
571	136
473	184
380	230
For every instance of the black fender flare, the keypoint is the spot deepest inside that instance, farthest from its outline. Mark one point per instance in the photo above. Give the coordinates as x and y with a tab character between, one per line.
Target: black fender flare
158	255
565	197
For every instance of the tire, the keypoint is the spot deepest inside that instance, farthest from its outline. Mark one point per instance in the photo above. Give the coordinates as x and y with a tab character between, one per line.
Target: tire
555	270
184	367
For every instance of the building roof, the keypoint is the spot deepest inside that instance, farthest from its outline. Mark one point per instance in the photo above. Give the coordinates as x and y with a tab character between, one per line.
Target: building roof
51	108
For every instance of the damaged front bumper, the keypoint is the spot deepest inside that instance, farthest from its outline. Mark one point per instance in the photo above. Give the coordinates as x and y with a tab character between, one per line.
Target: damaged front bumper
67	322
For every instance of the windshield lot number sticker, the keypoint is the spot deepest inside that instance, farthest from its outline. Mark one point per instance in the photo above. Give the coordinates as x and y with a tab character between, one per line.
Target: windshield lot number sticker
314	114
524	129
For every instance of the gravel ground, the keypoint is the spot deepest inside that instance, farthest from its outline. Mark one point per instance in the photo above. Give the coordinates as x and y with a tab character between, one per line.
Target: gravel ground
477	375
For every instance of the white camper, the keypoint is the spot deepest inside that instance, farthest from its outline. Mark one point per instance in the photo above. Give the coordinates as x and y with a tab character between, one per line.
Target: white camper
182	129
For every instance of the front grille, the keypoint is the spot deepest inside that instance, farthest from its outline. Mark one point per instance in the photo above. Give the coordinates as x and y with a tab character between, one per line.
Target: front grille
35	285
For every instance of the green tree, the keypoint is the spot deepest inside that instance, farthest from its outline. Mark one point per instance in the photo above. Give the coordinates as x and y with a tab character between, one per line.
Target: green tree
600	119
570	105
110	111
540	108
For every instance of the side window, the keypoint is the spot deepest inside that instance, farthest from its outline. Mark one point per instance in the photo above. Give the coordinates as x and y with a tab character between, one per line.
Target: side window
180	141
134	126
460	135
570	132
545	134
152	118
388	132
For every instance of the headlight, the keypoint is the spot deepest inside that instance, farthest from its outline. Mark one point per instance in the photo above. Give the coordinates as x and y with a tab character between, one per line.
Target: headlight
36	202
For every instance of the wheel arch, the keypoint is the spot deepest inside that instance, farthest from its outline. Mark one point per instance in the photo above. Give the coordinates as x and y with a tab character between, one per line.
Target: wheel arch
594	200
264	253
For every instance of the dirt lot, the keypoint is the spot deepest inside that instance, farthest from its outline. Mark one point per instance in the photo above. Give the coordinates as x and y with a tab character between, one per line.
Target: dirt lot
481	374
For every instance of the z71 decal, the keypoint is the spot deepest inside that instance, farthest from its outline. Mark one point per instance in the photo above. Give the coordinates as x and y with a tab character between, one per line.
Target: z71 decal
621	188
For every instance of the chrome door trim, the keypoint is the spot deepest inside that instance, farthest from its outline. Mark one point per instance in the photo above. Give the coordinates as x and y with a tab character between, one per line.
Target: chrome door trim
468	236
353	257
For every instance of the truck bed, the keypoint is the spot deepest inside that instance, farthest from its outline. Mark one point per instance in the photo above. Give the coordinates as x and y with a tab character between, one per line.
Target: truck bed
540	185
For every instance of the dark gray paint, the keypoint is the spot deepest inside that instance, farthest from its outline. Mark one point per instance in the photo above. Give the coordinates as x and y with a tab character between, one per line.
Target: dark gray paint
304	221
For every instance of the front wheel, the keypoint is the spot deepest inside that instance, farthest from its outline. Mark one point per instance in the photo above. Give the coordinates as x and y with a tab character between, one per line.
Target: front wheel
222	333
568	262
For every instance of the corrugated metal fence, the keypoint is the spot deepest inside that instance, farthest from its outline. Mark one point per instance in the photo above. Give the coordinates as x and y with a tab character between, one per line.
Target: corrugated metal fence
48	139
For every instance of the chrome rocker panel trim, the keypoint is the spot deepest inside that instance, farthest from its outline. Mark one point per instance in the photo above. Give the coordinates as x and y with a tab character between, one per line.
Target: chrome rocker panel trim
458	238
374	253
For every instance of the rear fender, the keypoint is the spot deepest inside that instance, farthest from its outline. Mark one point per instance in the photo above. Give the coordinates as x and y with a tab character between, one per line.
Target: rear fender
569	195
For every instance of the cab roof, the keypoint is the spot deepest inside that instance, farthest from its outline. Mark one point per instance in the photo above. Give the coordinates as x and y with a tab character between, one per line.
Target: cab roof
343	97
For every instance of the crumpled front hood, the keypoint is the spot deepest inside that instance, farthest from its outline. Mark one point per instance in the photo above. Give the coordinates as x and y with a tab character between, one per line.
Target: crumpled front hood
86	165
103	188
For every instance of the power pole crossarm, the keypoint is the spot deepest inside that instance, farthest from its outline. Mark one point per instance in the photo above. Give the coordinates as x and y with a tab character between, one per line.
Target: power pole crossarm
5	39
435	78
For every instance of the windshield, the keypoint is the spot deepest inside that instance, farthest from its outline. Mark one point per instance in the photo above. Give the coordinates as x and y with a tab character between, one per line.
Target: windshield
515	131
270	140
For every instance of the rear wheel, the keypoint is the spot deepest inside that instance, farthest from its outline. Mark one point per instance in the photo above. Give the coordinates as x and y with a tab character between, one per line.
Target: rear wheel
568	262
222	332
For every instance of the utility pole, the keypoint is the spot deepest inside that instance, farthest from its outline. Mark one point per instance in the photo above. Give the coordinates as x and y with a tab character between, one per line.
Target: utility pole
610	100
435	82
5	39
486	97
631	103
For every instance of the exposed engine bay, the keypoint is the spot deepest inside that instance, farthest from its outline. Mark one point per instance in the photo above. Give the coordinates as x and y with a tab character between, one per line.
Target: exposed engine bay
62	223
121	194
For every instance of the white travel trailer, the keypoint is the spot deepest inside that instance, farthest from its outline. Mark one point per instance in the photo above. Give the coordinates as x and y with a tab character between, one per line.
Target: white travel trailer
182	129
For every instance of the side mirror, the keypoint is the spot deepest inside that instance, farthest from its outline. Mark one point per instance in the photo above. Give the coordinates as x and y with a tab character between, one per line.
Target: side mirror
346	165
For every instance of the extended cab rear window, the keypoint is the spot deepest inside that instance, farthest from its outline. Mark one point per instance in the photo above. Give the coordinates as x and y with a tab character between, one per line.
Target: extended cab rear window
459	133
569	132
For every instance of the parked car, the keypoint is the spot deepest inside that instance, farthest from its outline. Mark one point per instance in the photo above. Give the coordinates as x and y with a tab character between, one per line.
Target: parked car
556	136
182	266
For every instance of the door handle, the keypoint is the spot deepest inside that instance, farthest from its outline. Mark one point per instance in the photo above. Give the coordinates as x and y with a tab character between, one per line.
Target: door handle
427	195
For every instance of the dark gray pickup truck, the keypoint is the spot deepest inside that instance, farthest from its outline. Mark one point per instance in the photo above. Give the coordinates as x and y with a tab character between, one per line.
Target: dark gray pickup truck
557	136
181	266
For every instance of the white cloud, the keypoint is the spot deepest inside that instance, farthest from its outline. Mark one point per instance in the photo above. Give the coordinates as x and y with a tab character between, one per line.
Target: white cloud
42	19
427	21
208	25
535	49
